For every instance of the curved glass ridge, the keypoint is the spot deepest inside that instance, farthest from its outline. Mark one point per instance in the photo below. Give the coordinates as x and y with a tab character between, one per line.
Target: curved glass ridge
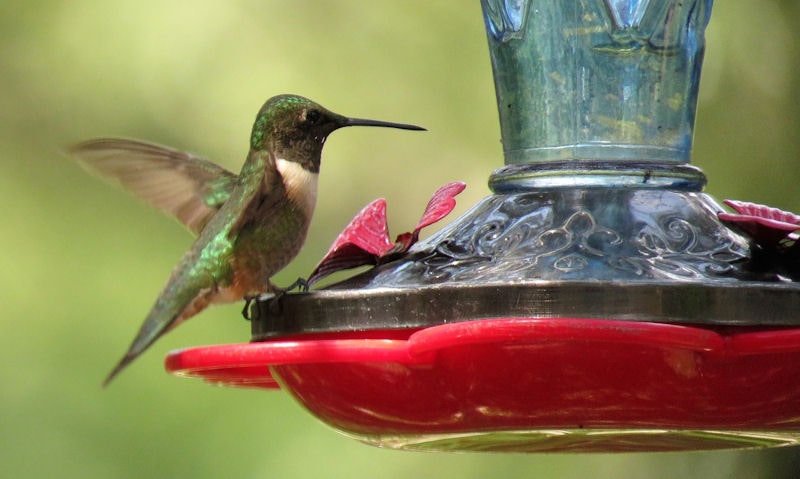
596	79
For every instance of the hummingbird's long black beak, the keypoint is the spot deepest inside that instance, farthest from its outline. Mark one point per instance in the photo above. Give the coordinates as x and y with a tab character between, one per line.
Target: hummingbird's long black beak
386	124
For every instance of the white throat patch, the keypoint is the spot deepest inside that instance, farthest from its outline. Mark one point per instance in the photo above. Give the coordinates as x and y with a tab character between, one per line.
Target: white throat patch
300	184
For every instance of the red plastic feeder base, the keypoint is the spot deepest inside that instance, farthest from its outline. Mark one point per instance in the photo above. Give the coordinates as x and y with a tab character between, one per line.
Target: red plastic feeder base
520	384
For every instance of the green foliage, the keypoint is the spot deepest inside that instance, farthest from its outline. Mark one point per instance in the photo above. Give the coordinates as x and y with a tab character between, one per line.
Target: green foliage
82	262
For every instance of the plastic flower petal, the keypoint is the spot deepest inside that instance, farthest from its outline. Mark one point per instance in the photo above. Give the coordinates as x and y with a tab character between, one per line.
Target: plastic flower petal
365	240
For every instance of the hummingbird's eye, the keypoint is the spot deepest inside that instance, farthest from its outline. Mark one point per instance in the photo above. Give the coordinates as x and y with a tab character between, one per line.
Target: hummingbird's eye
312	116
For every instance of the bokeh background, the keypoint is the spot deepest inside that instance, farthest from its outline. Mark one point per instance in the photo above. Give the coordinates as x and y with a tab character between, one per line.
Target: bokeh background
82	262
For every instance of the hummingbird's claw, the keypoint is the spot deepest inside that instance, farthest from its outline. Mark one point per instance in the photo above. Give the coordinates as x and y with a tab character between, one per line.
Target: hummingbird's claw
275	294
249	300
299	283
246	310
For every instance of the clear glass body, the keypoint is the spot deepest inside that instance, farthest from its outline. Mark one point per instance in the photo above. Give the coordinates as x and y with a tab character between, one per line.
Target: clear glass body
596	79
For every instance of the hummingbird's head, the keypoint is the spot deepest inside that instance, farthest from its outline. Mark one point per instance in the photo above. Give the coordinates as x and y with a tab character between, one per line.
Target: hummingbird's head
294	128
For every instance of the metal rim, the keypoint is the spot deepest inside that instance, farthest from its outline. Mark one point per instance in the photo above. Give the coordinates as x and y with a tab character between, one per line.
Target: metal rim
327	311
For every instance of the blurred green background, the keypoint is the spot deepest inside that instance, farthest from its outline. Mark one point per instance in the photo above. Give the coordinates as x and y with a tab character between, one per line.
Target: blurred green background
83	262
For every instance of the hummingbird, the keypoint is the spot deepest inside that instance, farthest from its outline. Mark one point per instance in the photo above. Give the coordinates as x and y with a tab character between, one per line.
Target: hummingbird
248	226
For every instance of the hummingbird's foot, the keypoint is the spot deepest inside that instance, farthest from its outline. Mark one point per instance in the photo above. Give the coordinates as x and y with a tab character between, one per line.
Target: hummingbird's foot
299	283
249	300
275	294
261	297
246	310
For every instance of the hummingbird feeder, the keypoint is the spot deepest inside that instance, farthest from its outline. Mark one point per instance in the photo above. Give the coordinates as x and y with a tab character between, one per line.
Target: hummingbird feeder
596	301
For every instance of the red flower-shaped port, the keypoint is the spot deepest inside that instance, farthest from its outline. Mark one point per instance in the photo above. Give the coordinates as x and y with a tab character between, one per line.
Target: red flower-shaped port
768	227
774	236
365	240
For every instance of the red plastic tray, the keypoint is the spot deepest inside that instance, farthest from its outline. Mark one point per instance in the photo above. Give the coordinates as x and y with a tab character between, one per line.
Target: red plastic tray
520	383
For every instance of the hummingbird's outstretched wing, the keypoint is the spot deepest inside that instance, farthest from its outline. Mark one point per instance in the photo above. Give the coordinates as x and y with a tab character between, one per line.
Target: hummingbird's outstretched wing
187	187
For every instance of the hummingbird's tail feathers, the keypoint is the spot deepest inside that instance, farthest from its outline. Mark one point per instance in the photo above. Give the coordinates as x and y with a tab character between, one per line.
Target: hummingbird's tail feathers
175	305
182	185
123	363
